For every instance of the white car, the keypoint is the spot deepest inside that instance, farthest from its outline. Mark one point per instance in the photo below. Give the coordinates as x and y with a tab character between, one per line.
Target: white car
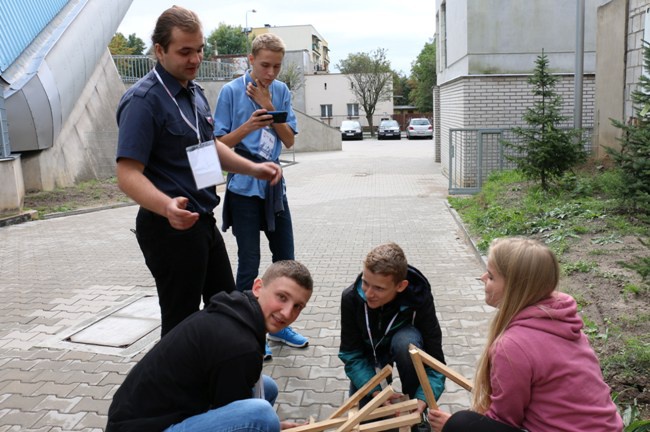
419	128
351	129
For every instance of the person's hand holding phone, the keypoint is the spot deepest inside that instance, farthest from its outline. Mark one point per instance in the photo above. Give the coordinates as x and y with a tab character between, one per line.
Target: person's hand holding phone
278	116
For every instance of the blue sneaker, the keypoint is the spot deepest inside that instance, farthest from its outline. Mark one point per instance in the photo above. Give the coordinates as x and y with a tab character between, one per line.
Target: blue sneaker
289	337
268	355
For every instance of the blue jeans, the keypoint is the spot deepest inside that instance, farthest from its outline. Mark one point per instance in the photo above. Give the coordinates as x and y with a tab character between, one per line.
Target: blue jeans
242	415
248	219
398	354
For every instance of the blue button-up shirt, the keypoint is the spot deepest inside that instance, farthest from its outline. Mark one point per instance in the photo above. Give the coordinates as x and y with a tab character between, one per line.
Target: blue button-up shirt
233	109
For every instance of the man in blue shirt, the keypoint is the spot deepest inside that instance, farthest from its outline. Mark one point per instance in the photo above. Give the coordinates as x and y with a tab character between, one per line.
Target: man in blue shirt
161	119
253	205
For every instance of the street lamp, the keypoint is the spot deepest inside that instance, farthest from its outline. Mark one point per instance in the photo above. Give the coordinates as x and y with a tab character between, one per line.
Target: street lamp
247	30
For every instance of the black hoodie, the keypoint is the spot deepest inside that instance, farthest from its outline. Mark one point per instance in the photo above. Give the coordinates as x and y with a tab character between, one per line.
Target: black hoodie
213	358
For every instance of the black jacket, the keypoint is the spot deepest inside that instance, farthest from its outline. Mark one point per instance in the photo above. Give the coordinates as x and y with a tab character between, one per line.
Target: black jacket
213	358
413	306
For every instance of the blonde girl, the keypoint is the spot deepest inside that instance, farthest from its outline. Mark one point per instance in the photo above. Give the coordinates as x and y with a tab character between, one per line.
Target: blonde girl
537	371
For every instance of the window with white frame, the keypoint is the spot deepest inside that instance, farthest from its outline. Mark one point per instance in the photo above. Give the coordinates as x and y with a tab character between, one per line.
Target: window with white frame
326	111
353	110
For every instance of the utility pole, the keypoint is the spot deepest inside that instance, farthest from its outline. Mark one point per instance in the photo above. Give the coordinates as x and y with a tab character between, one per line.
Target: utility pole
247	31
579	68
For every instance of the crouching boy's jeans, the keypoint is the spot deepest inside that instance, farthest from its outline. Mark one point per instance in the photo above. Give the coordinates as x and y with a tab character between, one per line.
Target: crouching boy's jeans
242	415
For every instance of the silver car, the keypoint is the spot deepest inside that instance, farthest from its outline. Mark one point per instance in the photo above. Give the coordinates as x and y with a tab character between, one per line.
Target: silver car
419	128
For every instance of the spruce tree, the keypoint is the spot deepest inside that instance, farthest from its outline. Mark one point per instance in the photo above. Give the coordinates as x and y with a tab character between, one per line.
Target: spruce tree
544	151
634	156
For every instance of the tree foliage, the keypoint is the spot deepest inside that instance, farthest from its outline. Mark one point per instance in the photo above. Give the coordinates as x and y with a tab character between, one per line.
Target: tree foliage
545	151
136	44
401	89
370	76
292	76
423	76
226	39
120	45
634	156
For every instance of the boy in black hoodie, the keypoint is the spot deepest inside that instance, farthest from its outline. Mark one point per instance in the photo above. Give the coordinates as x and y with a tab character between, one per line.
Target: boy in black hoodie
388	307
203	374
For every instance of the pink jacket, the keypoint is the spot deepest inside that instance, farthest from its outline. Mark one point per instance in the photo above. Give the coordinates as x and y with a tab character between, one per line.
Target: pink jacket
545	376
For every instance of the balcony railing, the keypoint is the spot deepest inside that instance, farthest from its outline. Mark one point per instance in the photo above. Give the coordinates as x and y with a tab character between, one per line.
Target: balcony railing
131	68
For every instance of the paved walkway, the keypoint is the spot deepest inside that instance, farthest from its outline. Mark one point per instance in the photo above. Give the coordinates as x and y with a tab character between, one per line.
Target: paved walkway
59	275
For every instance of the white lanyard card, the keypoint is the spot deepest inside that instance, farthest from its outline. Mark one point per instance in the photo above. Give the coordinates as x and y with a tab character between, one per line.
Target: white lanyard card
205	164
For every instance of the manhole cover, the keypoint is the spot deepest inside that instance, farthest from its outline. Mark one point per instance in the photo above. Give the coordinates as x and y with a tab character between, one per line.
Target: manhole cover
123	327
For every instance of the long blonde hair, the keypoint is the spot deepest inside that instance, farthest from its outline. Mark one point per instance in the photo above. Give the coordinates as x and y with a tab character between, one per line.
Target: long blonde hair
531	273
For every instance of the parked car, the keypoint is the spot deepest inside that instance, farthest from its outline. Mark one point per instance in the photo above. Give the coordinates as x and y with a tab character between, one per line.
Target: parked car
389	129
419	128
351	129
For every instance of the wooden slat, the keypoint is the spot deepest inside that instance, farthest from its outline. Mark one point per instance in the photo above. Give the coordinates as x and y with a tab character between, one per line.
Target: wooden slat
392	423
363	391
380	412
392	409
320	426
366	410
443	369
422	377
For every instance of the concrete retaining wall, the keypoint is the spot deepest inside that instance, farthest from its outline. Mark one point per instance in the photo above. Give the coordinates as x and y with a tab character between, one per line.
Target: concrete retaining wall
12	192
85	148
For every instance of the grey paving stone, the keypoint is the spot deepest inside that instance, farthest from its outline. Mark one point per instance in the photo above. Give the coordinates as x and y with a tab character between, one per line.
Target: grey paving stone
59	274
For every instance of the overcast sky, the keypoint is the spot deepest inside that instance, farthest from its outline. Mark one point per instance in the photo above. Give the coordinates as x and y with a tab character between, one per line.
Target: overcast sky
348	26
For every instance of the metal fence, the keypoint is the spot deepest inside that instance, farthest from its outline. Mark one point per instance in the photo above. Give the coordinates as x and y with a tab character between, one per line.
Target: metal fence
131	68
475	153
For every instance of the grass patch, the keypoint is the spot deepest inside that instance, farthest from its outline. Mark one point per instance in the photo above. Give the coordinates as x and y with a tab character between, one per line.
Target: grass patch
604	256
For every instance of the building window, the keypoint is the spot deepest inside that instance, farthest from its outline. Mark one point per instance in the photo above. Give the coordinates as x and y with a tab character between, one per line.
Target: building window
353	110
326	111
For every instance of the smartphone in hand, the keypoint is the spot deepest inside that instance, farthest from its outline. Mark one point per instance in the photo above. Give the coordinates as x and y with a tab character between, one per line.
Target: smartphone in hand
278	116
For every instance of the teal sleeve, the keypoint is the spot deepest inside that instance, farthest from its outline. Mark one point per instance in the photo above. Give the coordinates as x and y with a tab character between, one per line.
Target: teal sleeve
358	368
437	382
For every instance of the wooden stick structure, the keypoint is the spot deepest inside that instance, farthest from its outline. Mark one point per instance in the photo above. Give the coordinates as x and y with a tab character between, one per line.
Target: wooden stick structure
376	416
422	376
363	391
437	365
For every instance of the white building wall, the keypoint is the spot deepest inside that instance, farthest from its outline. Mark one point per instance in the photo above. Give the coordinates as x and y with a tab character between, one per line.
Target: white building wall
299	38
490	48
334	89
506	36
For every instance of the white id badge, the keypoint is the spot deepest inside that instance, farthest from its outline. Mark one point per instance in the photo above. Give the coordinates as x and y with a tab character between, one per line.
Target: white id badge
205	164
267	143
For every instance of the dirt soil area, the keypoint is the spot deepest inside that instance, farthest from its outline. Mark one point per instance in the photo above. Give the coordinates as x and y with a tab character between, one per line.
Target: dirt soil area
90	195
615	308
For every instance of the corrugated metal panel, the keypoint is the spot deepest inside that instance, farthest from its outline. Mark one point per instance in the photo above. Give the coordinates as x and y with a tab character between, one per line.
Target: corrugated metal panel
20	22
